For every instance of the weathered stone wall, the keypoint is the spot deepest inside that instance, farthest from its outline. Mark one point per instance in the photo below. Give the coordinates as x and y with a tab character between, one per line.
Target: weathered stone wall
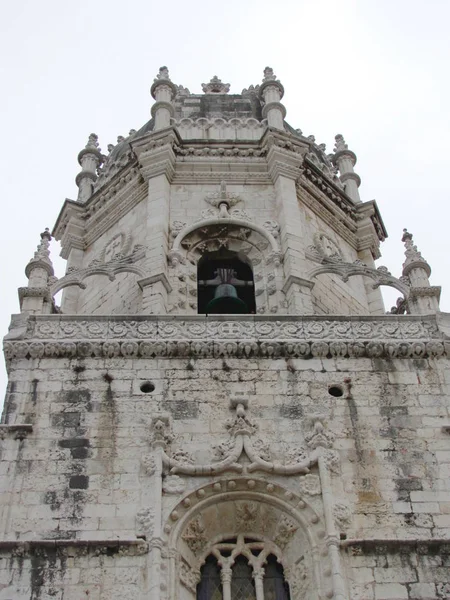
86	470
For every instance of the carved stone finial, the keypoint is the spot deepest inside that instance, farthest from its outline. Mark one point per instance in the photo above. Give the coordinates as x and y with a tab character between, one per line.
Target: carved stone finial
110	148
406	235
93	141
269	75
215	86
41	258
414	258
46	234
340	143
120	139
163	74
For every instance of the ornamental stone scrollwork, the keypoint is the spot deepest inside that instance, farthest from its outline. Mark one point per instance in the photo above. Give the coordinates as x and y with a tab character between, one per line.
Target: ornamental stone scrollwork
230	199
189	577
145	519
63	336
215	86
194	535
310	485
148	464
342	515
173	485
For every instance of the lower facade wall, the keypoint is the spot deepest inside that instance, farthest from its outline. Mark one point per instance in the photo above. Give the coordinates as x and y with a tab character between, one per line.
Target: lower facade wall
77	463
391	569
86	572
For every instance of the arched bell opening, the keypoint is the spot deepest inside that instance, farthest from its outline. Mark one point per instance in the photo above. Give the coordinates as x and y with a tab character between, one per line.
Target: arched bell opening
225	284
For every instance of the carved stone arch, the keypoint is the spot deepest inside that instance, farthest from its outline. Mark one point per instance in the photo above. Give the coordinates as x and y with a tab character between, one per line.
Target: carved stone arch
291	528
78	278
255	244
347	270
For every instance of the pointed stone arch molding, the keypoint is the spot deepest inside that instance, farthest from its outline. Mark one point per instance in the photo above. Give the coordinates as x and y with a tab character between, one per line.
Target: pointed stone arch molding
380	276
177	253
283	521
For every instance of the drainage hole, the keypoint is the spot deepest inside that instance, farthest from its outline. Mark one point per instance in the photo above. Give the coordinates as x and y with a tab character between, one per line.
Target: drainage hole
336	391
147	387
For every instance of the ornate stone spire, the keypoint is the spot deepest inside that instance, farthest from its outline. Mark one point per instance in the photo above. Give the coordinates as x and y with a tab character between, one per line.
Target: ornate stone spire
215	86
90	158
271	91
163	91
424	298
345	160
414	259
39	270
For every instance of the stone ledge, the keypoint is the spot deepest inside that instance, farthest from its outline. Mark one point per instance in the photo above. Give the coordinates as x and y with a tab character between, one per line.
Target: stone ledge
396	546
20	429
72	547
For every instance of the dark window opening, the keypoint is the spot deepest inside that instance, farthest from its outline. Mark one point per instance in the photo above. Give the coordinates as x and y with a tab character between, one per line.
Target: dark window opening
210	586
225	284
275	586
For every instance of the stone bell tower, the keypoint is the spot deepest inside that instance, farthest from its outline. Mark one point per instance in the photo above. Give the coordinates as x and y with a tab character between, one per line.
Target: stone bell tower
221	408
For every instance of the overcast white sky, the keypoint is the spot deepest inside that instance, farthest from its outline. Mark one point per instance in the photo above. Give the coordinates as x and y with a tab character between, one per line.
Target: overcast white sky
375	71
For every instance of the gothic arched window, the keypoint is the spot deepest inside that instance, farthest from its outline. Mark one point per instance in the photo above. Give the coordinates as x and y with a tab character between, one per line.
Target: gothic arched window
225	284
242	569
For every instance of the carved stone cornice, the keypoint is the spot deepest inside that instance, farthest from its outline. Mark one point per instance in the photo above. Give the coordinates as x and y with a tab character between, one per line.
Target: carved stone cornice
389	336
155	153
33	292
421	292
160	277
330	214
69	226
294	280
19	430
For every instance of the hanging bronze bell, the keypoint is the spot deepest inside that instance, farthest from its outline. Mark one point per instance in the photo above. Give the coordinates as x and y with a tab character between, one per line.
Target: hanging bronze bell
226	302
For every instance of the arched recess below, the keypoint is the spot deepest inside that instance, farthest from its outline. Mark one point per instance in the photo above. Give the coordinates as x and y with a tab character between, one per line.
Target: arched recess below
286	525
372	278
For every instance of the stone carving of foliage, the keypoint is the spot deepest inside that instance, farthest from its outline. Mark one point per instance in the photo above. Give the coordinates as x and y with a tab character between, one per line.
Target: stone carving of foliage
194	535
145	519
342	515
310	484
262	449
333	461
299	580
295	454
222	450
173	485
183	457
188	577
148	464
246	515
285	531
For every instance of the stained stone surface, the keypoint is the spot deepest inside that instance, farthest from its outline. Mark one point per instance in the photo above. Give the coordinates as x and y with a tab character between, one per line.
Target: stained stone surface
138	437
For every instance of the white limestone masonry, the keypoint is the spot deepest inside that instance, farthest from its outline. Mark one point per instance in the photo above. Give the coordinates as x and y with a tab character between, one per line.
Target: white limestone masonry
142	439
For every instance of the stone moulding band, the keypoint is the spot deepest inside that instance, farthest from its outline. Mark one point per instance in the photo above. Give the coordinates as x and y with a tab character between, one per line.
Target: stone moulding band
231	348
73	547
198	336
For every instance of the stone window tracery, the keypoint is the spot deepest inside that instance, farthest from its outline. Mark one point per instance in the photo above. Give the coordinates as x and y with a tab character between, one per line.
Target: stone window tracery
242	568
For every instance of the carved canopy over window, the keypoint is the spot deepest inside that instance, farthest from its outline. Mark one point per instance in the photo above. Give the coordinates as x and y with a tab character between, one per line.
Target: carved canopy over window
242	569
